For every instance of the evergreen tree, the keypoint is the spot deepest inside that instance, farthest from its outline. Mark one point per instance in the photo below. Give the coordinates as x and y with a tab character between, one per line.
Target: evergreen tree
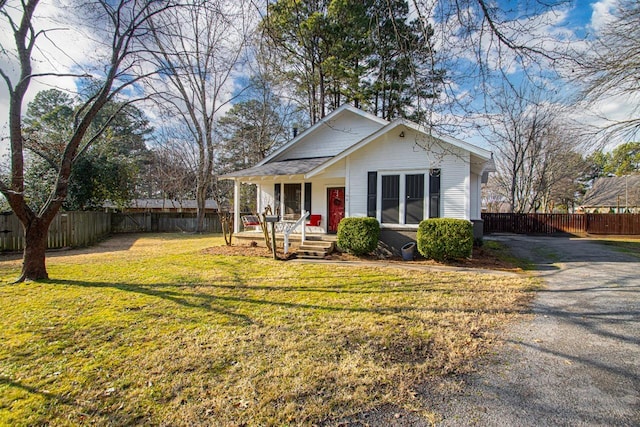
369	53
105	170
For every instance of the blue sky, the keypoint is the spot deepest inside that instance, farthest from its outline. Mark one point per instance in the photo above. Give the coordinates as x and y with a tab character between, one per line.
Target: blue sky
577	19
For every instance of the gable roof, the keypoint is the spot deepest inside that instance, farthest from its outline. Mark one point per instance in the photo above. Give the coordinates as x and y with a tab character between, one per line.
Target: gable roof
320	124
614	191
483	154
277	164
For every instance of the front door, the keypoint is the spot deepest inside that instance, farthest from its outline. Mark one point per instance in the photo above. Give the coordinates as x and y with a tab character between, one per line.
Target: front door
335	201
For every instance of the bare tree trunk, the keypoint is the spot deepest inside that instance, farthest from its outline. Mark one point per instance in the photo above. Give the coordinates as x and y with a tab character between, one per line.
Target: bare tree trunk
124	26
201	201
35	239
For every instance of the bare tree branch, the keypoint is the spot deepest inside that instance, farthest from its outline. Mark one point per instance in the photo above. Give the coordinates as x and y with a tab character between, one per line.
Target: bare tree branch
127	24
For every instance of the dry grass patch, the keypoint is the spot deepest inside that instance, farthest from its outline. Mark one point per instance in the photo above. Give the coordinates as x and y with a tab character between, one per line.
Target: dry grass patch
157	331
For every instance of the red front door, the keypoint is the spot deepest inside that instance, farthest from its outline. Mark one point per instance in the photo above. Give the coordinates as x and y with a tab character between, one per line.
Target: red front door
335	201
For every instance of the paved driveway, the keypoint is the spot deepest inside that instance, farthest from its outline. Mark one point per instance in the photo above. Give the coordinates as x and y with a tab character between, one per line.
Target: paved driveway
577	363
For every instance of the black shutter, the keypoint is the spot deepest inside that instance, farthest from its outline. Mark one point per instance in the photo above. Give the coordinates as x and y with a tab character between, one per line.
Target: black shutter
307	197
434	193
372	193
277	191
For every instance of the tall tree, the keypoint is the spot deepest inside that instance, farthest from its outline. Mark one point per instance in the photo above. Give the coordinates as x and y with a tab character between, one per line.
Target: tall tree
249	132
608	68
321	49
370	53
298	32
200	45
535	155
119	25
401	62
622	160
105	170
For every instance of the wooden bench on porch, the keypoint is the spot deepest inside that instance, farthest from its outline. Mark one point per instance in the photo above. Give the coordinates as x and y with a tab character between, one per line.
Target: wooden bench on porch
251	221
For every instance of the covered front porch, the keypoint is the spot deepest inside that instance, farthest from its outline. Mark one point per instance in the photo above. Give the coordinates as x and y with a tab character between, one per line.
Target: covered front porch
289	195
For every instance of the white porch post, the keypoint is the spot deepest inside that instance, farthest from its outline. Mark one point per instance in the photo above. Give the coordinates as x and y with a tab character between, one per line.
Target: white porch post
236	206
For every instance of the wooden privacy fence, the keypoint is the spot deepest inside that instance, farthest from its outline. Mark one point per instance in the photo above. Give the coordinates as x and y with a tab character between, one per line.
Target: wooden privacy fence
162	222
67	229
622	224
73	229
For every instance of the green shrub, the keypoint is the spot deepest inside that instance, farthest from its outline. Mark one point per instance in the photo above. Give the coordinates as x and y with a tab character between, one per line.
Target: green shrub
358	236
445	238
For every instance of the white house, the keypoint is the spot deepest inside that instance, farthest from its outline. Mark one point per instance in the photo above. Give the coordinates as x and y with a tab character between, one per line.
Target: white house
354	164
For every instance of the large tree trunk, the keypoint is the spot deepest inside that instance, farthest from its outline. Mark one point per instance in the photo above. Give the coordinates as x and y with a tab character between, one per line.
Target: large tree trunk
201	200
35	239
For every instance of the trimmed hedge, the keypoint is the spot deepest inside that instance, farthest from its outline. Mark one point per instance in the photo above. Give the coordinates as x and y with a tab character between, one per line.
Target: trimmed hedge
445	238
358	236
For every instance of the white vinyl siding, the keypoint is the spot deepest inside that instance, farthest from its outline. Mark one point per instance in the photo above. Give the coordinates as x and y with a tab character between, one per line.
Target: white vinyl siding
455	185
391	154
333	137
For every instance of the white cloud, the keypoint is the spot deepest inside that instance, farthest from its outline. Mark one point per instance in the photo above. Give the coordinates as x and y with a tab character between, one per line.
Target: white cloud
62	48
602	13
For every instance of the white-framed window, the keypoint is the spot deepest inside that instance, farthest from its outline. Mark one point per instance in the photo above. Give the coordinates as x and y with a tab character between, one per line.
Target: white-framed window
403	197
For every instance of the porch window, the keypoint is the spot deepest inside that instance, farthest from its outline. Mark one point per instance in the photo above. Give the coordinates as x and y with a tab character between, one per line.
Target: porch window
292	201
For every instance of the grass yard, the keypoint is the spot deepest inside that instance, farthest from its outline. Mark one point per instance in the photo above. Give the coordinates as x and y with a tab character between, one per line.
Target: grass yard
626	244
152	330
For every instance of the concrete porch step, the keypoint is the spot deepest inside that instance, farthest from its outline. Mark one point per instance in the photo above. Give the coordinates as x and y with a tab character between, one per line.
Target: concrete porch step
315	249
326	247
311	255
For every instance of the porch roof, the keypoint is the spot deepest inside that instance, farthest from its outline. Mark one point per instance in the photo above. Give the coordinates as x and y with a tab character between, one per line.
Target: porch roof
283	168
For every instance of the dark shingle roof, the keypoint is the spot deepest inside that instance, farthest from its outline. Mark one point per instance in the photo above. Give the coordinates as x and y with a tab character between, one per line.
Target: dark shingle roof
614	191
287	167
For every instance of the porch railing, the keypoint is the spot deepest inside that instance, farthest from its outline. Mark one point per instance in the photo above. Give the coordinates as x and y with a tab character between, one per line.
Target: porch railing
289	227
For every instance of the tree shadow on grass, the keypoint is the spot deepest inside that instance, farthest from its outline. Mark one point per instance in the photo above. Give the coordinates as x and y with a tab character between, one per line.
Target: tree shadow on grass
35	390
91	411
214	302
196	300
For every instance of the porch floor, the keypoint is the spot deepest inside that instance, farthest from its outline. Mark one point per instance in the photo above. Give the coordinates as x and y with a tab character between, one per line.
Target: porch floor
295	239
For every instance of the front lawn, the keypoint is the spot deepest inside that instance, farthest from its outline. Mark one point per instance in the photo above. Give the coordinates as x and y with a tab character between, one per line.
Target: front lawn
153	330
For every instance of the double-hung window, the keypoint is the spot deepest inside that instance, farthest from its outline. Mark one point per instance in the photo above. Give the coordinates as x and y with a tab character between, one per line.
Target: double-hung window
404	197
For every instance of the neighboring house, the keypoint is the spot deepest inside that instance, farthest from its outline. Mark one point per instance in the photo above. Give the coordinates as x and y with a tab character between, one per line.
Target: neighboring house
354	164
165	205
616	194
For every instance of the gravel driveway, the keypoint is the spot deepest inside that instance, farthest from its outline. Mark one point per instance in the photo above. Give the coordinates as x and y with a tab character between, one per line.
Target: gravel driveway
577	362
